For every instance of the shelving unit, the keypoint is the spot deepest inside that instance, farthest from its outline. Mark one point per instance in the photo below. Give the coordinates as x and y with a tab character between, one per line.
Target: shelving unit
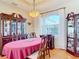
12	27
73	33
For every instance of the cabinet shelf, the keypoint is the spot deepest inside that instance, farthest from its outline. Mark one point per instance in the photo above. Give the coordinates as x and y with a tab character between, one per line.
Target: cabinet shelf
73	33
71	37
10	27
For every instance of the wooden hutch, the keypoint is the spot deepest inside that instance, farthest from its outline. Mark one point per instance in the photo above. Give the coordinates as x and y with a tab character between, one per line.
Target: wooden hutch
73	33
12	28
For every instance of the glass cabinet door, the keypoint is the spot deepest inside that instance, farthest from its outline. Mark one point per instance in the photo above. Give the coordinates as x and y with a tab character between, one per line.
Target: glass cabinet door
23	26
13	27
71	35
71	28
71	32
19	28
6	27
77	30
71	44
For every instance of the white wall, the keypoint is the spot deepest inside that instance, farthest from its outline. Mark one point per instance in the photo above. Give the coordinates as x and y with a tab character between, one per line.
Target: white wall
9	9
61	40
72	6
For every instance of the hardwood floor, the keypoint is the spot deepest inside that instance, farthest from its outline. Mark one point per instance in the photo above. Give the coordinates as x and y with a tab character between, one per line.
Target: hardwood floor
57	54
3	57
61	54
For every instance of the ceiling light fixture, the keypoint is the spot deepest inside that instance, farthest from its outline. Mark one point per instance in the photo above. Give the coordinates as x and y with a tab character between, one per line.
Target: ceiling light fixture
34	13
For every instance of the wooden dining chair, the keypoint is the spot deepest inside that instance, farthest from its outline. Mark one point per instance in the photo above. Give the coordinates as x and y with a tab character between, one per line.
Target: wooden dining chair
42	51
47	49
41	36
19	37
14	38
33	35
50	41
5	40
24	36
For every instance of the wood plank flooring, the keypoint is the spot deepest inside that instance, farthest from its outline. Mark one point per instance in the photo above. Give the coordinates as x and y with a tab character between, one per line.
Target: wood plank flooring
57	54
61	54
2	57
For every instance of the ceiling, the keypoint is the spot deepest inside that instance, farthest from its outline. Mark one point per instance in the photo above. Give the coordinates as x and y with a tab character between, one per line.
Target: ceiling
41	5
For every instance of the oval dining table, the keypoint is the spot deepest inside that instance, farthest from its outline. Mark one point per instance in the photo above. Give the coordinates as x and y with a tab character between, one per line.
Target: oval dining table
21	49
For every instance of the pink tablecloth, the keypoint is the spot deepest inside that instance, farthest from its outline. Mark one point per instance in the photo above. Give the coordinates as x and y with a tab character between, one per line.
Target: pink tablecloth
21	49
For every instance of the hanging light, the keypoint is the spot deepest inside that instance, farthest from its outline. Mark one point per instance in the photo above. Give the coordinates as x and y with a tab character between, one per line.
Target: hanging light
34	13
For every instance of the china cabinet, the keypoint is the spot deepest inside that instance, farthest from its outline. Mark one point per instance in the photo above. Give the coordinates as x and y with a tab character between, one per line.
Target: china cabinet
73	33
12	27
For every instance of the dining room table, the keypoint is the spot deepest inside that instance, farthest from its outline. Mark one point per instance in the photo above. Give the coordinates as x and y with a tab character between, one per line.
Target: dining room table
21	49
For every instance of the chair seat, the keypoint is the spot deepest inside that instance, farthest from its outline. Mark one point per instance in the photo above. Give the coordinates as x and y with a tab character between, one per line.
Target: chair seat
34	55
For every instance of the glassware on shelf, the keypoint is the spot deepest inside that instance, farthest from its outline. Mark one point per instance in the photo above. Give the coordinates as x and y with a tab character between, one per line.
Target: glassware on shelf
73	33
77	44
22	27
70	23
13	27
77	49
6	28
70	32
77	28
19	27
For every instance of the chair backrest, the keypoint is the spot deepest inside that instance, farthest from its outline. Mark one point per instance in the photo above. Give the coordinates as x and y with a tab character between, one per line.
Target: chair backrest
50	41
19	37
14	38
43	41
43	46
42	35
49	37
32	35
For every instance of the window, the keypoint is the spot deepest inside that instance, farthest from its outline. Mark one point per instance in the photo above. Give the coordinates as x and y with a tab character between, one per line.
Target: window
50	24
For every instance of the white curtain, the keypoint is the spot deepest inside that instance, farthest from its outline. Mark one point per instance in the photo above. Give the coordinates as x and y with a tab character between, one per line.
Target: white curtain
45	25
49	23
